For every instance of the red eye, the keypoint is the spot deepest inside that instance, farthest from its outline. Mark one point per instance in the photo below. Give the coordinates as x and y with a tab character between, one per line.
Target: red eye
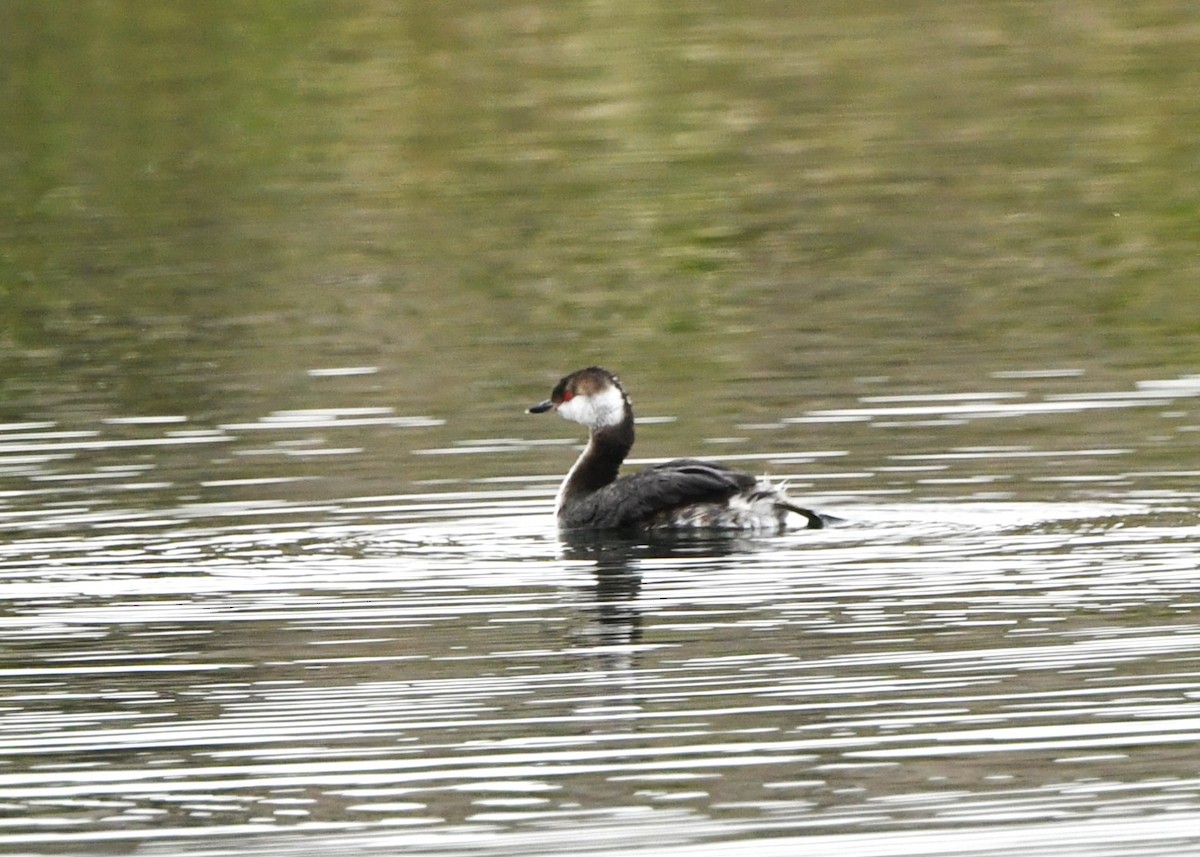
568	396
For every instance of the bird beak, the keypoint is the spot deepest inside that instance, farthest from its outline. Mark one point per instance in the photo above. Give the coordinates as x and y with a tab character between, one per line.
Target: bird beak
541	407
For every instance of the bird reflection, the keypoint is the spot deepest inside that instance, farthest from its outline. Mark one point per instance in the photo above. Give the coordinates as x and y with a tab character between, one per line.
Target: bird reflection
618	580
617	559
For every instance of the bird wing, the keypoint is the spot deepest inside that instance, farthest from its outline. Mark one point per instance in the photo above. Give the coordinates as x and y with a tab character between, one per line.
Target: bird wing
632	499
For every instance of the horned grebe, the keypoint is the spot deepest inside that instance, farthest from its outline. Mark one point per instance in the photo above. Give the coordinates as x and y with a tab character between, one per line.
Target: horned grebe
683	493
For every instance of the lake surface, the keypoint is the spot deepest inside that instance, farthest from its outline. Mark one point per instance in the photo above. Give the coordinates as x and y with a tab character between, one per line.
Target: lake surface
442	672
278	565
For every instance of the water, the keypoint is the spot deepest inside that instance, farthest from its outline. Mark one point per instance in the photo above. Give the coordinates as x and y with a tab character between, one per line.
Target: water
442	672
278	570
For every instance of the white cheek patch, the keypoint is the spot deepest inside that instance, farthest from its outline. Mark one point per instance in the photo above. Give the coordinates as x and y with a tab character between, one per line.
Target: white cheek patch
604	409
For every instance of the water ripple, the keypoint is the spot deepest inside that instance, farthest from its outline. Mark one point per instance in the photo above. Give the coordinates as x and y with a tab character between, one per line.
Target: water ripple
440	671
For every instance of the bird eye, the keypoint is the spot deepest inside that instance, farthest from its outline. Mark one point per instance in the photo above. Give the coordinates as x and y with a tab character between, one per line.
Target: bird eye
568	396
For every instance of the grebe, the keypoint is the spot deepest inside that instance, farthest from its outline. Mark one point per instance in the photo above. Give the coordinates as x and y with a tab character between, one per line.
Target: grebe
684	493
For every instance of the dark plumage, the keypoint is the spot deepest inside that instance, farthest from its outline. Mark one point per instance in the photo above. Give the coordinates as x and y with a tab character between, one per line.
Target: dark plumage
680	493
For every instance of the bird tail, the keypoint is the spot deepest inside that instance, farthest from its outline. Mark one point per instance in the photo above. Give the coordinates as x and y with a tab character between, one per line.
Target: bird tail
816	521
783	503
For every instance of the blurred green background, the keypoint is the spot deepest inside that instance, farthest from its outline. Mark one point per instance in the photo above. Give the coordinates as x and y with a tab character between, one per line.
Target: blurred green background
725	201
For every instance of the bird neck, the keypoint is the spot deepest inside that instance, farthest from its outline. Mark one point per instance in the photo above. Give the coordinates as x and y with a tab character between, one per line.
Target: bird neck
600	461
